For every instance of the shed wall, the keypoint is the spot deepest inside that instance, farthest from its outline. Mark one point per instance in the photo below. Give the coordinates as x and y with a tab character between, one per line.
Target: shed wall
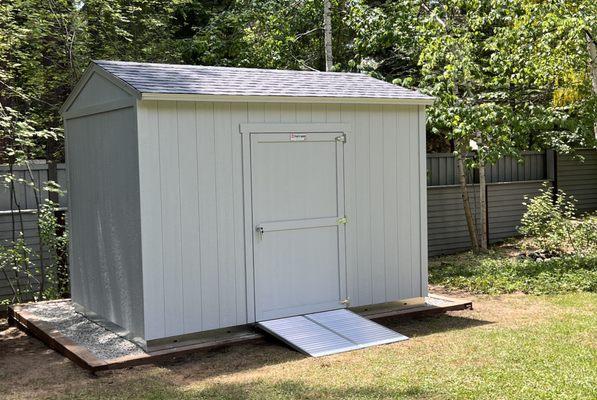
105	256
190	160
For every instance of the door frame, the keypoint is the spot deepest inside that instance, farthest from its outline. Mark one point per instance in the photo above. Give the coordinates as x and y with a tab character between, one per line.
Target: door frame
246	129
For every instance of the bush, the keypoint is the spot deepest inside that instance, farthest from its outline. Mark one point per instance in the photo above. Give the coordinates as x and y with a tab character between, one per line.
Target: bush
550	224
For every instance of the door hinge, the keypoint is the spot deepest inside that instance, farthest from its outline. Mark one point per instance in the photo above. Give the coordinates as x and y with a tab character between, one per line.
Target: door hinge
342	221
346	302
341	138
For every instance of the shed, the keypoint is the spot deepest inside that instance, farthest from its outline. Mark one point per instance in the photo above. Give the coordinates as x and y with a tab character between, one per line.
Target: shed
204	198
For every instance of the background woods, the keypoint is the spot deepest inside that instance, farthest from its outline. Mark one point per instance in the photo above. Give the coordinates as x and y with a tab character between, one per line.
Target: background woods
509	74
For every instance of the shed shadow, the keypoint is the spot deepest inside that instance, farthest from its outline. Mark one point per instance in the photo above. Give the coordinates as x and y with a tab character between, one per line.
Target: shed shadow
429	325
271	351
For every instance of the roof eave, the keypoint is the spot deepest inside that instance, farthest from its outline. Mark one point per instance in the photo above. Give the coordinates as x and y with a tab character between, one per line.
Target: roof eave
285	99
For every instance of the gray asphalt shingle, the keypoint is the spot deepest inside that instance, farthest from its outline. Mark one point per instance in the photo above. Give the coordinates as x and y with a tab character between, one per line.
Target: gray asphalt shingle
204	80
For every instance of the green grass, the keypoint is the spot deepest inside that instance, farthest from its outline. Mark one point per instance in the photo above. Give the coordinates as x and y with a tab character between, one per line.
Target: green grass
496	273
511	347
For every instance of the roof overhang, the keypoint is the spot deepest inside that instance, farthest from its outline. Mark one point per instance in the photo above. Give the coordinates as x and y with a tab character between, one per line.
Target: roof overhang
284	99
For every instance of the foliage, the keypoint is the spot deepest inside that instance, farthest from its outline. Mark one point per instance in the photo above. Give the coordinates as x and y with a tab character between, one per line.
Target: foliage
18	270
494	276
552	225
512	74
54	237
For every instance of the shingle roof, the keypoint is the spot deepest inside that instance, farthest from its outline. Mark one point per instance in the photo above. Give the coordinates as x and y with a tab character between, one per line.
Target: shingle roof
204	80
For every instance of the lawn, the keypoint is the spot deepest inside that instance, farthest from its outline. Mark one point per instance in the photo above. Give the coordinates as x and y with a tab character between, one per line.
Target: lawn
511	346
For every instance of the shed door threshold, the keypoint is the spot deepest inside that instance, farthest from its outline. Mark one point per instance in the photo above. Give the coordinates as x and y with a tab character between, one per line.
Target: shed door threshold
329	332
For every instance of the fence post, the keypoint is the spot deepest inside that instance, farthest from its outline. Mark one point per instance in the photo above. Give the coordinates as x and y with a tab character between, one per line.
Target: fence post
487	226
551	171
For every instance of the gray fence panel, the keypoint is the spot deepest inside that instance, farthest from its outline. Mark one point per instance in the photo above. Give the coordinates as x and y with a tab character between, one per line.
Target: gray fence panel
25	195
505	207
28	227
442	169
579	178
446	226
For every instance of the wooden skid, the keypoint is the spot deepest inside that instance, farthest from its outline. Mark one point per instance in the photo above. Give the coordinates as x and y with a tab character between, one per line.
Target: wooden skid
25	321
435	304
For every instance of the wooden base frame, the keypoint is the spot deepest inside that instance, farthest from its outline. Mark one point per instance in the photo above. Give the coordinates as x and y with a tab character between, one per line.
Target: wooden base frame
19	317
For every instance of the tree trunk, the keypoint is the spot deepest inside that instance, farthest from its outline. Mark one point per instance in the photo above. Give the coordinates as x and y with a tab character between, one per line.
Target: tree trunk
327	34
592	48
470	221
483	204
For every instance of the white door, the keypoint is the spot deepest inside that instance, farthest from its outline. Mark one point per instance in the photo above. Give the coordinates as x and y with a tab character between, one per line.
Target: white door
298	219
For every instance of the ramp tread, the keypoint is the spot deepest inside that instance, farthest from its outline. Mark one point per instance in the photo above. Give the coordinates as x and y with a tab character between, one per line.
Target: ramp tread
329	332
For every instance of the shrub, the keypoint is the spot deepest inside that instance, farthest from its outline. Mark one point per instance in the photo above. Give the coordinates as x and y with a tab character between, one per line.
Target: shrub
550	224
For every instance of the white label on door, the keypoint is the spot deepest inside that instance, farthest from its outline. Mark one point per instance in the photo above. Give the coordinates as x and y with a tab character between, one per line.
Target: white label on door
298	137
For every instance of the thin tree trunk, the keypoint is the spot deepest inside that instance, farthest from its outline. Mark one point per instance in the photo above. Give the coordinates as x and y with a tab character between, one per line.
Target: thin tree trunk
470	222
592	48
483	204
327	34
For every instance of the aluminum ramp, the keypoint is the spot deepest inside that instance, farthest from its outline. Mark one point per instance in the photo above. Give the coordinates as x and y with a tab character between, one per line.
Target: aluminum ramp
329	332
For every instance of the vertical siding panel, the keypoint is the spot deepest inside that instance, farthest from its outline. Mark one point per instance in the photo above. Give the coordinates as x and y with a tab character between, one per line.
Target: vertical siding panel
208	228
256	112
225	226
318	113
414	260
288	112
378	274
406	174
238	115
171	218
333	113
273	112
392	223
303	112
189	210
348	115
151	222
422	150
361	137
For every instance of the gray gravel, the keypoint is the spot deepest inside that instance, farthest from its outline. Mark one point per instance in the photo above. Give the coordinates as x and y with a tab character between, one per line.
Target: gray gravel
103	343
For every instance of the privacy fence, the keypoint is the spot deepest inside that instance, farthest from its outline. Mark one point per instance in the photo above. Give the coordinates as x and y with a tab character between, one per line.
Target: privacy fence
509	182
12	223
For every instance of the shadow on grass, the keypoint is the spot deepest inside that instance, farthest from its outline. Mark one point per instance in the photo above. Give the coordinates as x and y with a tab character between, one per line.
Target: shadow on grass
270	351
423	326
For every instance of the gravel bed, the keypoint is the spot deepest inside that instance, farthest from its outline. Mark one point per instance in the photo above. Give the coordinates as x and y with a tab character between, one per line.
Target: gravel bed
103	343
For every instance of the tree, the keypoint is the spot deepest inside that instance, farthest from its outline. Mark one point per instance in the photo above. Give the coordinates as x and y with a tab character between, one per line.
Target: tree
327	32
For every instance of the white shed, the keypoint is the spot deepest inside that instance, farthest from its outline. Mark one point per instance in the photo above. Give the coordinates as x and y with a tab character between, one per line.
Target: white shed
203	198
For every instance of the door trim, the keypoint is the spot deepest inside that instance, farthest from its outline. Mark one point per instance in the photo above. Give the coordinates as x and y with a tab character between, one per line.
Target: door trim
246	129
251	127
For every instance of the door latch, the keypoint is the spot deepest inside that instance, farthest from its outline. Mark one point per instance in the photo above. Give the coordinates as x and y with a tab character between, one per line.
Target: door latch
346	302
341	138
259	230
342	221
